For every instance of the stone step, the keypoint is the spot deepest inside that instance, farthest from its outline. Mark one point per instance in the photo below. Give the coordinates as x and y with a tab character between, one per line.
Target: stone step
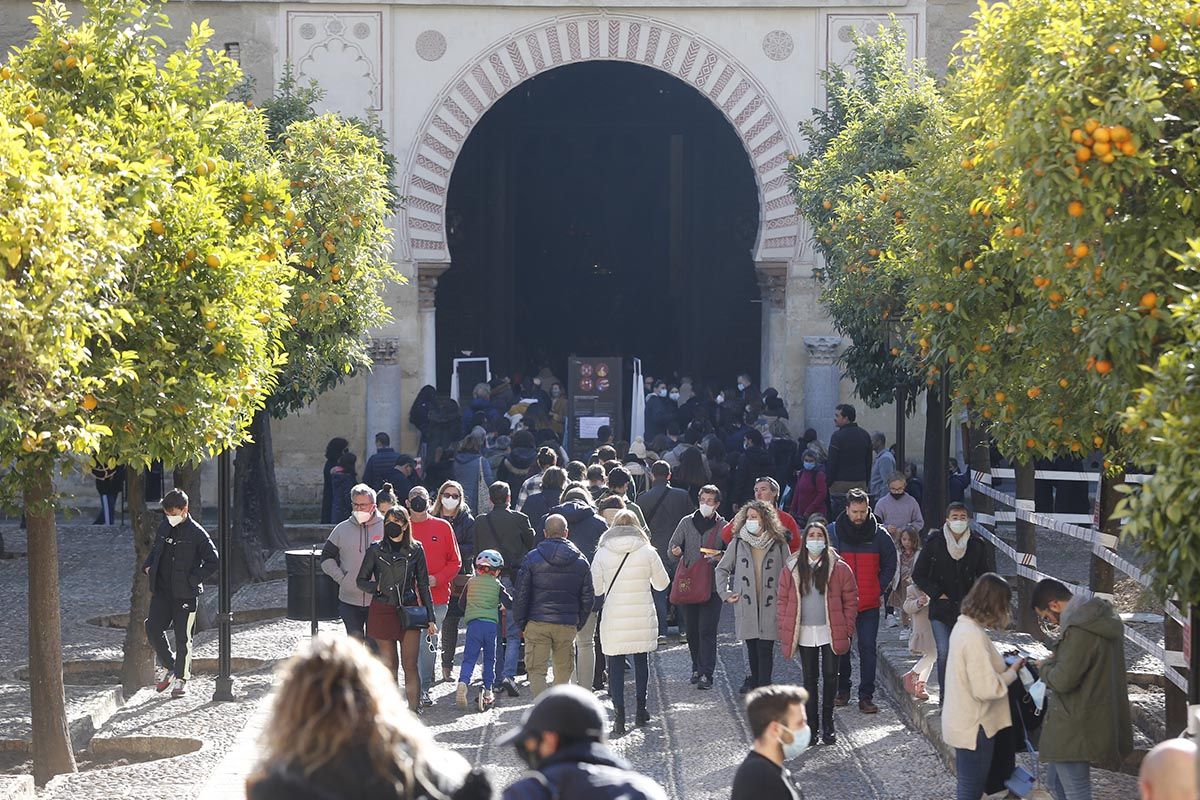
17	787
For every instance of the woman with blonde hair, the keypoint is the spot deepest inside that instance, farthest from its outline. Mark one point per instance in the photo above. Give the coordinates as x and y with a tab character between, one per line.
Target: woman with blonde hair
624	570
452	506
975	707
748	578
339	729
394	573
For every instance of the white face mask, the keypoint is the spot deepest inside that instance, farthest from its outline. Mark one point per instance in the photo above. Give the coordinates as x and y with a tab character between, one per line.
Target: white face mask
752	526
175	519
706	510
675	396
363	517
450	503
741	386
720	399
958	526
662	392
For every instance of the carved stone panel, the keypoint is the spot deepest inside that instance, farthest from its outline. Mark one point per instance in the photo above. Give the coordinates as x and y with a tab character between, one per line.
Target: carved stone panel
342	52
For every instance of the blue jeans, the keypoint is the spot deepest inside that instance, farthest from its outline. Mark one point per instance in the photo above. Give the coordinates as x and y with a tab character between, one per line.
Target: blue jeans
616	679
511	638
355	619
866	630
660	606
481	636
1069	780
428	654
973	765
941	635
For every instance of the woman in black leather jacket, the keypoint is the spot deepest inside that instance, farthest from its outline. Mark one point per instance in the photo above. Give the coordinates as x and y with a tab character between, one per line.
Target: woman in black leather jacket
395	574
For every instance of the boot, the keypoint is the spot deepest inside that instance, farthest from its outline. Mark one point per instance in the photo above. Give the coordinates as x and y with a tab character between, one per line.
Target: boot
618	728
643	716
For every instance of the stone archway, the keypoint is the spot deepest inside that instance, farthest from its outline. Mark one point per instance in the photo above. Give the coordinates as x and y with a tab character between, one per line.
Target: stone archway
591	37
577	38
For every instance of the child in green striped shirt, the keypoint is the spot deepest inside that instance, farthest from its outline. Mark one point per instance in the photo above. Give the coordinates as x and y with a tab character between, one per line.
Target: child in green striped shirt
484	595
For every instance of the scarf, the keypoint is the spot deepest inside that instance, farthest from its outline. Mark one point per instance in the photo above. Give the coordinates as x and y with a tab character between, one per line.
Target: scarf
703	523
956	549
762	541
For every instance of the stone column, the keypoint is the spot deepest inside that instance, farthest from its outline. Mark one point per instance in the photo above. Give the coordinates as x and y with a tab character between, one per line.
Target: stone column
385	407
822	382
772	287
427	278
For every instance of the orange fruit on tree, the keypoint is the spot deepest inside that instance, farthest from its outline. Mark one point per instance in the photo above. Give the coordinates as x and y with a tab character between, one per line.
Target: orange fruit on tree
1077	136
1102	134
1081	250
1033	393
1104	366
158	227
212	260
1102	148
1000	396
1030	443
1064	383
1120	134
1157	43
949	306
1149	300
89	403
1075	208
1128	148
1056	297
1090	126
219	348
1083	154
826	204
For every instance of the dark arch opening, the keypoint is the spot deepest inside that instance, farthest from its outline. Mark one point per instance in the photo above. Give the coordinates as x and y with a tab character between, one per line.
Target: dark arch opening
602	208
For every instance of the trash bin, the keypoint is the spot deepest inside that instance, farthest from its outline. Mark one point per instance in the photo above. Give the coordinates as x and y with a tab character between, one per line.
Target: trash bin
305	578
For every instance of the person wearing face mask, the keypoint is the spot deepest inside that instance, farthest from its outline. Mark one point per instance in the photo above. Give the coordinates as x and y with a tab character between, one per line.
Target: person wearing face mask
946	569
746	390
778	722
443	560
1087	719
660	411
811	493
563	740
395	573
697	538
343	554
898	511
748	578
818	604
450	505
181	558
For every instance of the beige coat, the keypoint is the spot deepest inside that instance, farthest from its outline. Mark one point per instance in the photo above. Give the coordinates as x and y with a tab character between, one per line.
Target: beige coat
921	641
977	683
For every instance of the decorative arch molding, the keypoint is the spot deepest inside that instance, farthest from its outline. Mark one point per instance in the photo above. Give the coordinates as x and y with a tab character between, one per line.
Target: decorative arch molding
572	39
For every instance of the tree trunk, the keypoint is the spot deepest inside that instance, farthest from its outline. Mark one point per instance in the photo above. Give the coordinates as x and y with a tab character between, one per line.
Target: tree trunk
1027	620
257	519
981	465
936	440
1101	575
137	666
187	478
901	418
51	737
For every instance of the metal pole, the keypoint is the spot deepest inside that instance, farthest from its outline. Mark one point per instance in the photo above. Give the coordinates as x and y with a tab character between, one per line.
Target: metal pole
901	417
224	685
312	589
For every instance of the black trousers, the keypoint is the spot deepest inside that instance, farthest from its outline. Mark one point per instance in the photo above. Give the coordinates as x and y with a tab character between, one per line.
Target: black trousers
761	653
166	612
701	621
812	660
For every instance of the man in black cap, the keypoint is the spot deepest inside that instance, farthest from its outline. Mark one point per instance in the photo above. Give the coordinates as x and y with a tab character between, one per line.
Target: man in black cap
562	738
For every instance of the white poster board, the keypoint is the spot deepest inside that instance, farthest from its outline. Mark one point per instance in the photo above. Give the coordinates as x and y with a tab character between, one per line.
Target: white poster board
589	427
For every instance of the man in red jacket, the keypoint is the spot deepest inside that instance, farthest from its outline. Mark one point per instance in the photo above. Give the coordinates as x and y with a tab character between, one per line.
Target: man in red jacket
767	491
868	548
444	561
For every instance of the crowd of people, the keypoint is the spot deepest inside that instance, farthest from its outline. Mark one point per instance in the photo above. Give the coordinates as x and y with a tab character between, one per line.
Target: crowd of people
575	572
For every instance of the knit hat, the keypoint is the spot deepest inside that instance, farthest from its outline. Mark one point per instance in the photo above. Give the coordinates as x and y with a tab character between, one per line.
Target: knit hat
638	448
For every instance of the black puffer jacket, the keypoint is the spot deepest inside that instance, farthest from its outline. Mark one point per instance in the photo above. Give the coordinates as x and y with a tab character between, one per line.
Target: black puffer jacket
394	574
585	771
554	586
195	557
584	525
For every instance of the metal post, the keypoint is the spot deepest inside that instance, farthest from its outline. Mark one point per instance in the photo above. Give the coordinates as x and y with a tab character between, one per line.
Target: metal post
901	417
312	589
224	685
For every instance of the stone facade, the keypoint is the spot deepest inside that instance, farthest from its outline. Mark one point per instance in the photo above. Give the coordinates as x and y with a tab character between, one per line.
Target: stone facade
430	70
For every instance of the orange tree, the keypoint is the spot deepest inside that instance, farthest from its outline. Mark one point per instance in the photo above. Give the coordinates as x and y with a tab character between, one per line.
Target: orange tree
845	186
197	297
339	181
1081	121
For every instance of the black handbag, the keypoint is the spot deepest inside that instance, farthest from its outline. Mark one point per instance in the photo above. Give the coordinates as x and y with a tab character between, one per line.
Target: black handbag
412	617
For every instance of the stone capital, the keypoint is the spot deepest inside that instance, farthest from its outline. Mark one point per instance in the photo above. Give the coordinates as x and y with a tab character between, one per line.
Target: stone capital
428	273
822	350
772	282
385	350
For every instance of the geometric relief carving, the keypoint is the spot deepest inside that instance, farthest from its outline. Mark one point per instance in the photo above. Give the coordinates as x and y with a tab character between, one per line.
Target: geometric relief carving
343	52
617	37
841	28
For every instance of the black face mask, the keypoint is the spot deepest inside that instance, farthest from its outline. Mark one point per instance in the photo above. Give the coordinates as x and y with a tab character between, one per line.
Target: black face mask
393	530
897	495
418	503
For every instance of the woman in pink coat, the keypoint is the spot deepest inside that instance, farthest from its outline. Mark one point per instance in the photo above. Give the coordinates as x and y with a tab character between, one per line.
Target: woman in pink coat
818	604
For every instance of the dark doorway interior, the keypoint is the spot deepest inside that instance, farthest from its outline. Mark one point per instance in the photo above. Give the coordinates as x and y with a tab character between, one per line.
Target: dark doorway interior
602	208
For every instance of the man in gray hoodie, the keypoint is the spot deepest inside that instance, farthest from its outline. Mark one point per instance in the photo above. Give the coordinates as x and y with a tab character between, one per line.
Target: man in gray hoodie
343	554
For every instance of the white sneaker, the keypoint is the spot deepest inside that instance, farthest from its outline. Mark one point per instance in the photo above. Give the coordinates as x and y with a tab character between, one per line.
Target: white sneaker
892	622
460	696
179	689
162	679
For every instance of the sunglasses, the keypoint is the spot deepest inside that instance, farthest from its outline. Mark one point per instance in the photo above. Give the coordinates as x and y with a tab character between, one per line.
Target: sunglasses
451	496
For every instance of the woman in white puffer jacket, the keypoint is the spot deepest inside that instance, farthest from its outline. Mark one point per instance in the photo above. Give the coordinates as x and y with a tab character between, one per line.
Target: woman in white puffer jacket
626	567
